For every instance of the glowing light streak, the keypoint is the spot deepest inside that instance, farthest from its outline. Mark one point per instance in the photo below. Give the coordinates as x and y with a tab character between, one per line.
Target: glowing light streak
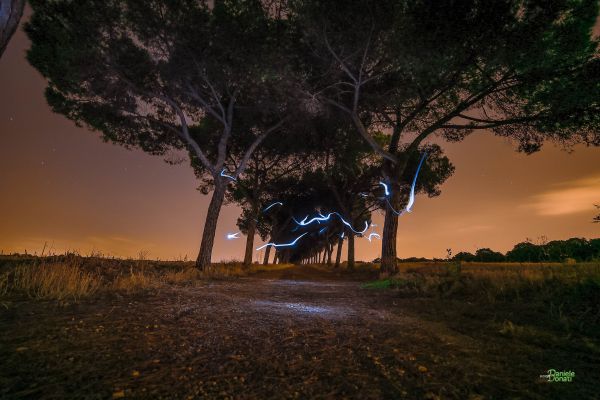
322	217
385	187
231	236
272	205
373	234
322	230
282	244
223	174
318	219
392	208
411	199
350	225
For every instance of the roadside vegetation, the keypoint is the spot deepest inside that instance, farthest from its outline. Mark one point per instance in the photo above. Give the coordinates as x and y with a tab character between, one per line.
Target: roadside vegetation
72	277
434	330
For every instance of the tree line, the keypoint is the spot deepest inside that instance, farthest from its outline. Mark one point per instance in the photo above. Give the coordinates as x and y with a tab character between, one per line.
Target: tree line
322	111
578	249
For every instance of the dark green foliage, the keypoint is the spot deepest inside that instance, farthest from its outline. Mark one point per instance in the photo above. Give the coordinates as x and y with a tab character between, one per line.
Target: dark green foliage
488	255
128	67
464	256
578	249
526	70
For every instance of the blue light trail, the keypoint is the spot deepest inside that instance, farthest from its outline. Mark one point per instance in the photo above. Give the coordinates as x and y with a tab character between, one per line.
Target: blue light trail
411	198
272	205
373	234
223	174
322	217
282	244
231	236
385	187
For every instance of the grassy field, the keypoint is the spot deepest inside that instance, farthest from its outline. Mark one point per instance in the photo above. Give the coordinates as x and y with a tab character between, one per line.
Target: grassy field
92	327
71	277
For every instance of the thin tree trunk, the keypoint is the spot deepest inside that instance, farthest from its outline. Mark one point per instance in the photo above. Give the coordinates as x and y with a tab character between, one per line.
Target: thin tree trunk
351	251
250	238
388	238
267	254
210	227
338	256
329	251
11	12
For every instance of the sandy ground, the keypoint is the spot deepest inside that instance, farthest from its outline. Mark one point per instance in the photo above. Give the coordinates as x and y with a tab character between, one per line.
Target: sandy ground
297	333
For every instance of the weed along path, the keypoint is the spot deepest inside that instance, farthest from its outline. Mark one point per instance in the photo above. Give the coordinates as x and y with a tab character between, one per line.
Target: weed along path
300	332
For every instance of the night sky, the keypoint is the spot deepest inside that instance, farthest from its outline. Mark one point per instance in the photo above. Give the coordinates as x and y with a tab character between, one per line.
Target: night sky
63	185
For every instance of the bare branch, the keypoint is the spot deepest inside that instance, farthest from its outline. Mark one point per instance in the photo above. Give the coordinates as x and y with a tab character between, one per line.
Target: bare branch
254	145
339	60
205	106
374	145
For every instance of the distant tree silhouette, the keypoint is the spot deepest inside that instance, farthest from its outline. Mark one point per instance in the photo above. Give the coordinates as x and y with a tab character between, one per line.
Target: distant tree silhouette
488	255
464	256
597	217
579	249
259	186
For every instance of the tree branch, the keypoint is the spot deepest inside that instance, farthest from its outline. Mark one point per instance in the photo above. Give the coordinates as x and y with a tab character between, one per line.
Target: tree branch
254	145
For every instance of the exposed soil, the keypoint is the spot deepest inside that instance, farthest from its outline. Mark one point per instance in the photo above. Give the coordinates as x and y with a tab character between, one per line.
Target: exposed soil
295	333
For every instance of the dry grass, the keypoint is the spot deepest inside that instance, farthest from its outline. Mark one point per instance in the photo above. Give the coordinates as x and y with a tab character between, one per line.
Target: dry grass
50	282
72	278
135	281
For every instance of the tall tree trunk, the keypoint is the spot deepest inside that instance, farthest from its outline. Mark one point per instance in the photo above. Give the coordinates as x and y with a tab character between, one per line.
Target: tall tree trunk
267	254
388	239
286	256
11	12
351	251
329	251
210	226
338	256
250	238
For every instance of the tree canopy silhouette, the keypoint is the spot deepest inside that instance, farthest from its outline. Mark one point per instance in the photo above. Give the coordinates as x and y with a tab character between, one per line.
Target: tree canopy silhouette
525	70
162	75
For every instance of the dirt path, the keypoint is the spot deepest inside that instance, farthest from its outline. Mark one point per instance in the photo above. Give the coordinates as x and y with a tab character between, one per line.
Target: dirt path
295	333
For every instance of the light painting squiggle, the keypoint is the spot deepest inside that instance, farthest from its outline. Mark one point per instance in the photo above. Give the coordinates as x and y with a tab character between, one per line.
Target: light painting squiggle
223	174
322	217
373	234
385	188
282	244
272	205
411	198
